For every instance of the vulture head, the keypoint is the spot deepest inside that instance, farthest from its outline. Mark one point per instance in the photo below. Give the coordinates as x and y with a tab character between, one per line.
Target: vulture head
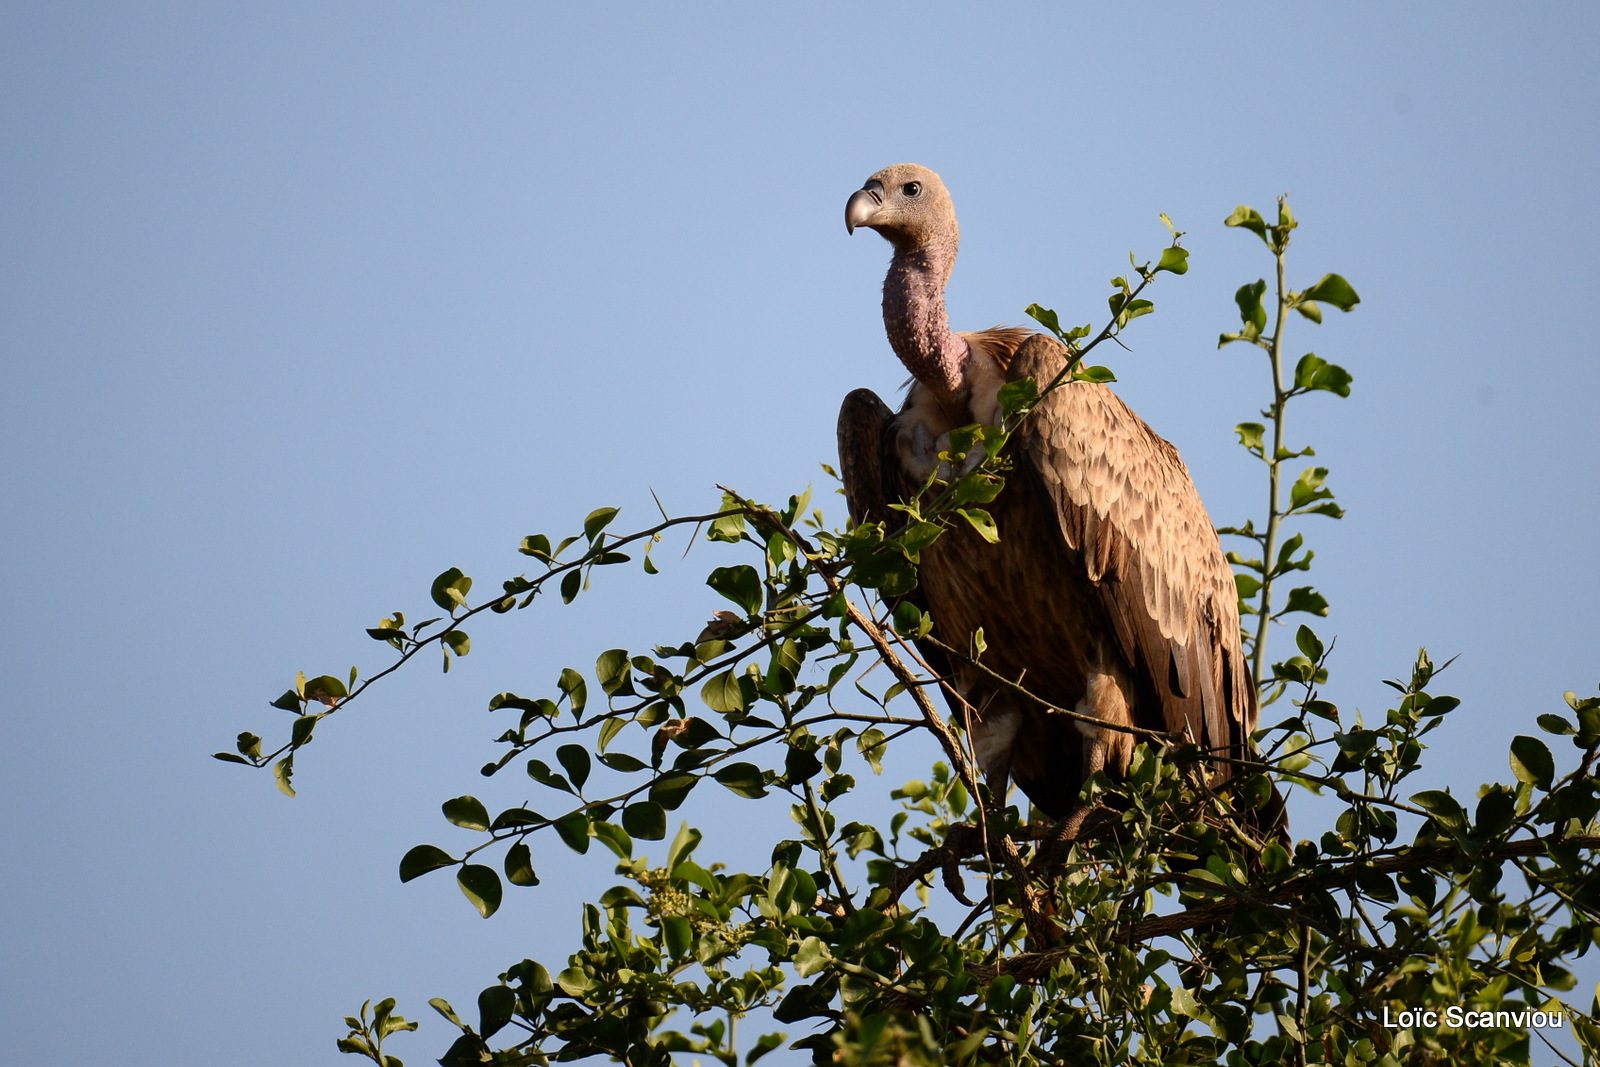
909	205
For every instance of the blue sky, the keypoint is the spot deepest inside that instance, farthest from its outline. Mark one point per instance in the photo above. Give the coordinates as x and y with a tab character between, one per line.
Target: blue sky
300	306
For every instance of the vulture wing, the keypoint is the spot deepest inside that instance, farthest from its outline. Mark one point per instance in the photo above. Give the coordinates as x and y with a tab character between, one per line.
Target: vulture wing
865	456
870	470
1125	505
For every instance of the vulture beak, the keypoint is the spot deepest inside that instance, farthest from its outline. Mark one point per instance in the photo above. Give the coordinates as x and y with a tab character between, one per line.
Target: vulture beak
862	205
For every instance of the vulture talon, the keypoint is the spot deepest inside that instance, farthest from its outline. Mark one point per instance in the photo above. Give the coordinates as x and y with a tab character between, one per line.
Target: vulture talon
955	884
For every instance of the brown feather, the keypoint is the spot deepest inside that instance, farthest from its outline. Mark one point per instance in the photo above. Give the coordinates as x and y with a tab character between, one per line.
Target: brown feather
1151	550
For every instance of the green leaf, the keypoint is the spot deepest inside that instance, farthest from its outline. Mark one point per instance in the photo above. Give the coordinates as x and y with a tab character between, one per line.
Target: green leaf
519	865
1286	561
1014	396
1304	599
575	983
467	813
694	732
797	506
871	746
677	935
621	761
458	641
728	528
787	659
1183	1003
1333	289
1556	724
571	582
450	589
645	820
613	837
537	546
1377	885
511	700
1130	311
1441	706
1588	721
812	957
1332	378
765	1044
1044	317
1496	810
976	487
540	772
290	701
1312	371
442	1006
1444	808
1251	311
621	896
1248	218
917	536
722	694
684	842
1250	436
282	772
1174	259
614	673
481	886
739	584
609	729
421	860
1308	488
514	817
745	779
598	519
575	760
577	690
982	522
1308	643
300	733
1310	310
326	690
574	830
1102	375
496	1005
1531	761
907	619
800	765
669	791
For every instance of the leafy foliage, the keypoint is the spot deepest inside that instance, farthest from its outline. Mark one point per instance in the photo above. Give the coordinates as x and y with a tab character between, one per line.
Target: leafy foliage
1308	495
1165	931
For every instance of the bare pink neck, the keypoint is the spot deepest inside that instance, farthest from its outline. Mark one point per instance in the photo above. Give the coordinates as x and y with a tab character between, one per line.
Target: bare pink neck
914	315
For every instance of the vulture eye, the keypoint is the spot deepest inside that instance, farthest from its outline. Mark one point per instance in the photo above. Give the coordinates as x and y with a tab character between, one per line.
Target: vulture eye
912	189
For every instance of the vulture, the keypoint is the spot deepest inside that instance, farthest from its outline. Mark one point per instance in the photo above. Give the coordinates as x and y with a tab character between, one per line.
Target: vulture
1107	592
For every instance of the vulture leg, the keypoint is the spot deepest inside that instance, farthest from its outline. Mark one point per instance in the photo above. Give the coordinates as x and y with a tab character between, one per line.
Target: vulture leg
1094	757
998	778
1094	761
993	723
1102	749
